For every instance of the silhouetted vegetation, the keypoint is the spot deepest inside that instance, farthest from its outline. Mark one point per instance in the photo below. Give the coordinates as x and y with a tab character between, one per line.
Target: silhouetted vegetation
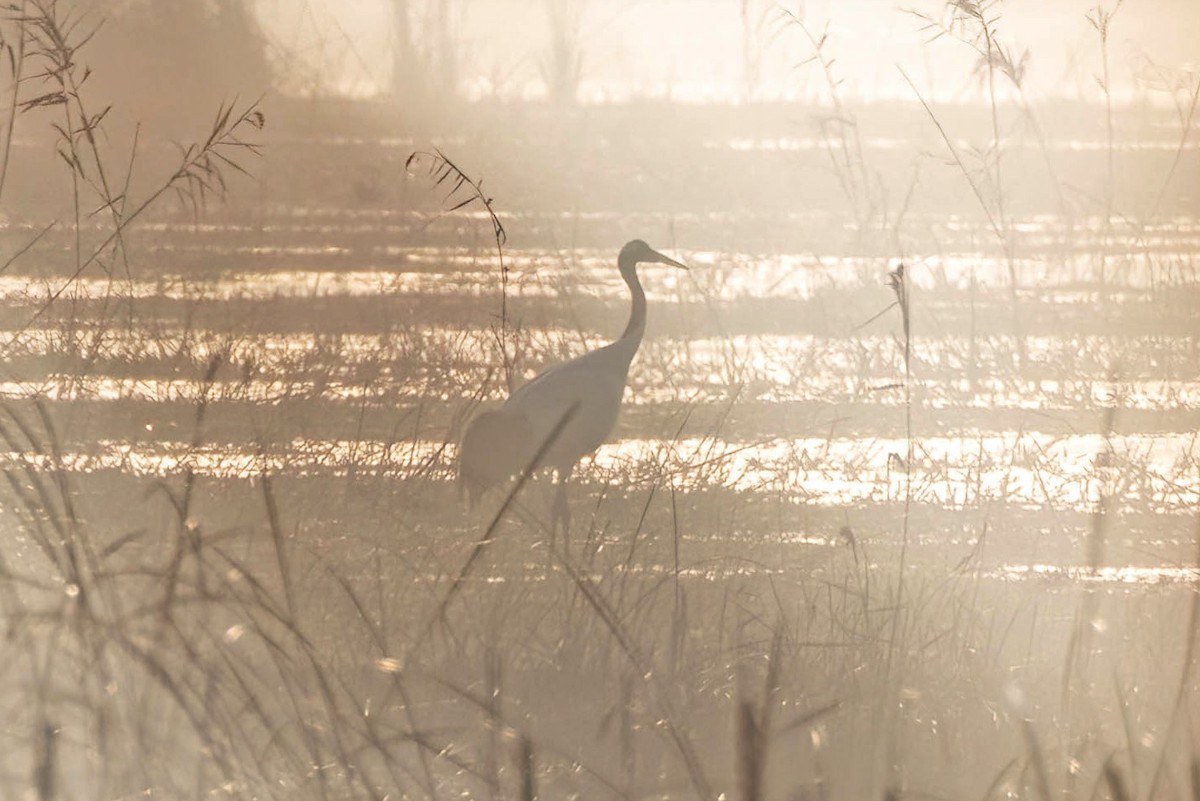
846	541
167	63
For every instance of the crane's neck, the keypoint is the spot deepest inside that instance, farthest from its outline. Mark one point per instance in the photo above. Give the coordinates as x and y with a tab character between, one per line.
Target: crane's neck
632	338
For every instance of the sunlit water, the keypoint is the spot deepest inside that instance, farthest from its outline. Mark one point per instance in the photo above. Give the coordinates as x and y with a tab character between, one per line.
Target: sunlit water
1072	379
541	275
1046	395
1032	470
803	143
442	361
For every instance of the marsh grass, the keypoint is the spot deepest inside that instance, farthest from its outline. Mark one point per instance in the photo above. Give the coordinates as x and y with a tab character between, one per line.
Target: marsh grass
841	131
348	632
463	191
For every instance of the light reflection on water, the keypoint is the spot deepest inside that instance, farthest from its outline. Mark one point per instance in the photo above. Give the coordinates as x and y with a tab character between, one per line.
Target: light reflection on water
719	570
803	143
1116	575
377	230
386	388
1101	575
775	368
540	274
426	363
1038	471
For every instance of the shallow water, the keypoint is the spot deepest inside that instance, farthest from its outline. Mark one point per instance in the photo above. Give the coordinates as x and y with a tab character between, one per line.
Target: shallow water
720	358
726	276
1025	470
254	436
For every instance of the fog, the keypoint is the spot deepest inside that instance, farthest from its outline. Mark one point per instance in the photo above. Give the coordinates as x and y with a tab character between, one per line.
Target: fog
715	399
728	50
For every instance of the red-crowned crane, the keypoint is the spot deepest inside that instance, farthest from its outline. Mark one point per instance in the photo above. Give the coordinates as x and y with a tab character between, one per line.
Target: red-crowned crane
582	396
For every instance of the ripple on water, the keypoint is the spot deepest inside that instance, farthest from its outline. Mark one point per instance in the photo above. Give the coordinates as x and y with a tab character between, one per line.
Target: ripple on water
1024	470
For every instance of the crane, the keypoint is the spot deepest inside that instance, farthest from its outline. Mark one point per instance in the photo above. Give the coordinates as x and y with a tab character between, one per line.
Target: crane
580	398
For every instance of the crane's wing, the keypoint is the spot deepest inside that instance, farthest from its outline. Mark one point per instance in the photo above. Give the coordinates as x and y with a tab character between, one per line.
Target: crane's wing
592	385
496	445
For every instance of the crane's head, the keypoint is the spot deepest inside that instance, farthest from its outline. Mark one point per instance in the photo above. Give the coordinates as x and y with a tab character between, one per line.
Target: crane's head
638	252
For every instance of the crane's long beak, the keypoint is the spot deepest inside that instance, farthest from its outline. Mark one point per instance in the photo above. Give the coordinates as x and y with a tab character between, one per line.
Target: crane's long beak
661	259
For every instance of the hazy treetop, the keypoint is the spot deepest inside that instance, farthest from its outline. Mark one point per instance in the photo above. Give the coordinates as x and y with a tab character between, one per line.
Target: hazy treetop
698	50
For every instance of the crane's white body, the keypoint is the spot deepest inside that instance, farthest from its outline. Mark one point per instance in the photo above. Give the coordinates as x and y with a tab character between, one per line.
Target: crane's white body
593	385
590	389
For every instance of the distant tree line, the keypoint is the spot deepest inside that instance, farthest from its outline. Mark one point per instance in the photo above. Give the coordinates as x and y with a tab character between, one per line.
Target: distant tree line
426	52
168	62
166	58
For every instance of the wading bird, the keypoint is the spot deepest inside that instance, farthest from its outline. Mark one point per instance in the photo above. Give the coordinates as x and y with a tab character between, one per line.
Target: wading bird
581	398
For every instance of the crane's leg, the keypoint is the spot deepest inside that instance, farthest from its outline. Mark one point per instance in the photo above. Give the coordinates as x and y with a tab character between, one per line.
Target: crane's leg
560	512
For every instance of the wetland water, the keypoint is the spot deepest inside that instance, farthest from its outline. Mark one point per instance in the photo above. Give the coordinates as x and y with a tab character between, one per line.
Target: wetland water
787	373
293	380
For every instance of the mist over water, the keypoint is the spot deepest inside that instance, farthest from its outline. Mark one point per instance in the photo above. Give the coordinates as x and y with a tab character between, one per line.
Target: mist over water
901	500
713	51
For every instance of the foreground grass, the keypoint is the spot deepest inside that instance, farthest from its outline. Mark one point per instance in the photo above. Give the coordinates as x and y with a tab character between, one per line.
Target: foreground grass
300	648
322	622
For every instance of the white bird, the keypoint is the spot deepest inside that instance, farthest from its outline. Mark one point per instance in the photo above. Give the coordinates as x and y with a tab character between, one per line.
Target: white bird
583	396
